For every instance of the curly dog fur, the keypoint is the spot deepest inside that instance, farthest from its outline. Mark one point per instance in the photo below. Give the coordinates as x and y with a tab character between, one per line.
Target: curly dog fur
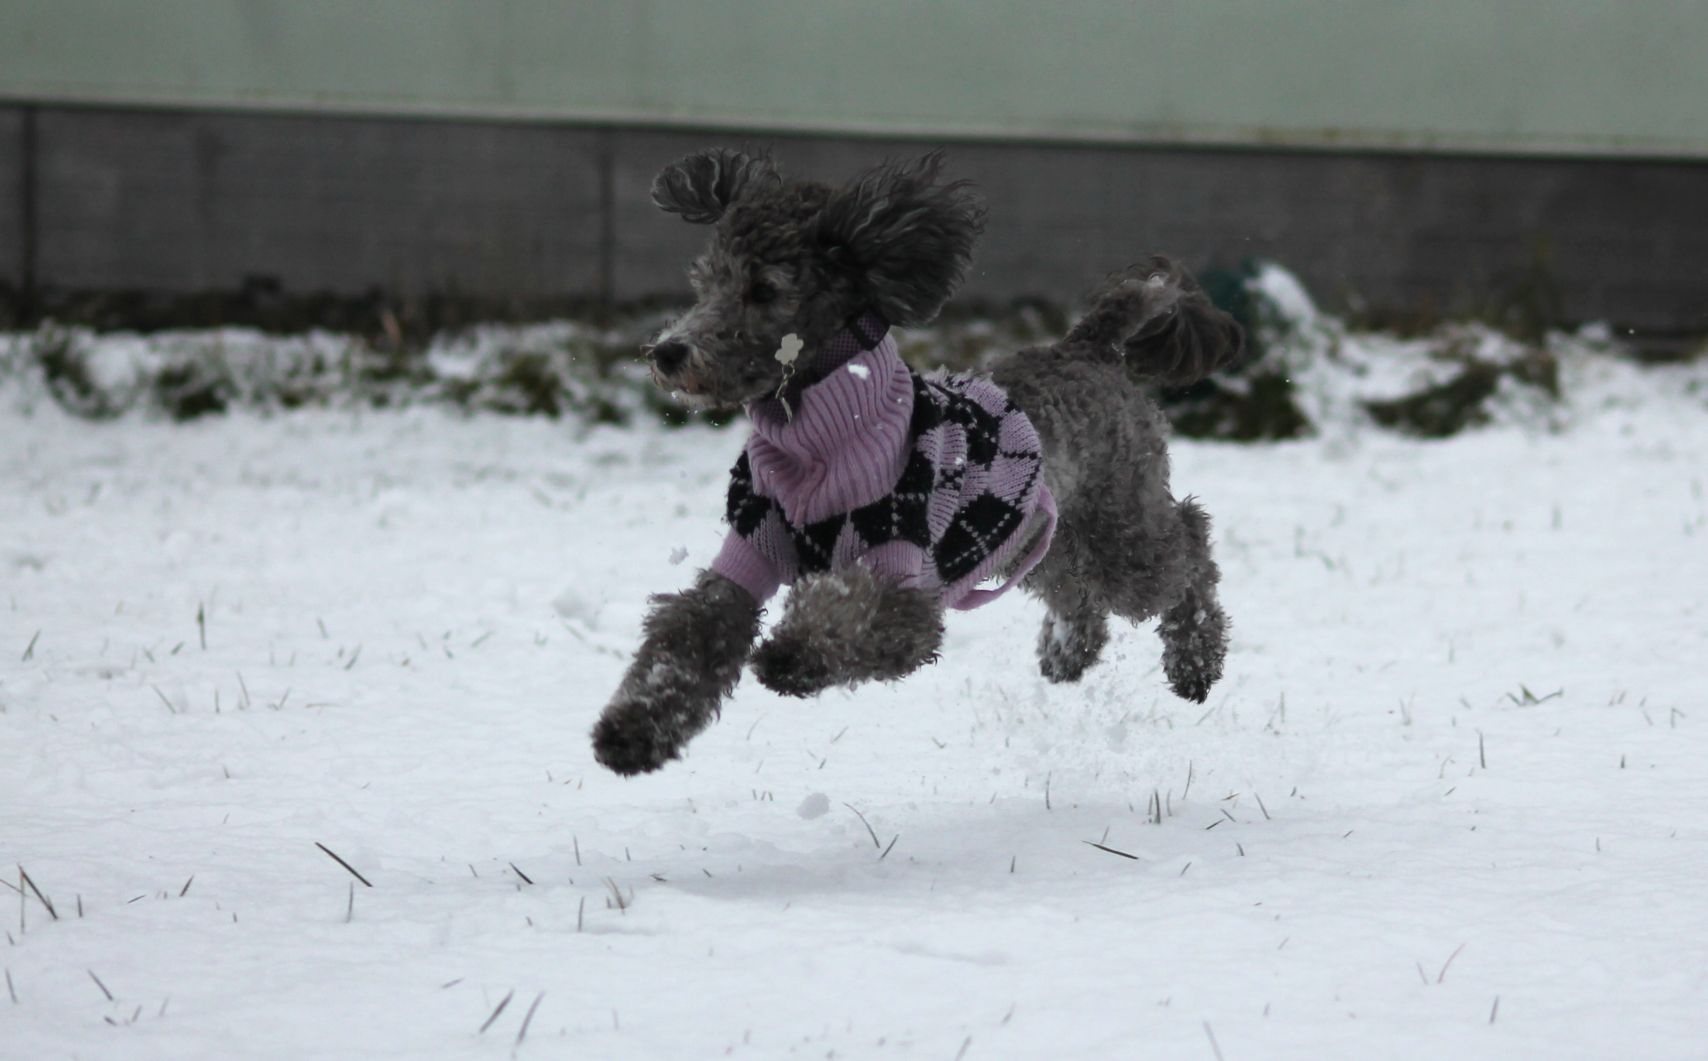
803	257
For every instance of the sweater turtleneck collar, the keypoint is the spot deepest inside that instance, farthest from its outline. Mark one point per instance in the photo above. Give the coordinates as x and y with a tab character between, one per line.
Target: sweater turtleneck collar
863	332
841	440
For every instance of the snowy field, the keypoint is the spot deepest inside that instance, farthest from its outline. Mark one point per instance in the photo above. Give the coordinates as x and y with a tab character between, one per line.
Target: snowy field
1451	799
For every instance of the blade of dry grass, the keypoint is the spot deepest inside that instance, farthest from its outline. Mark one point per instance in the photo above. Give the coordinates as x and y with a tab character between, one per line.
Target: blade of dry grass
352	869
505	1001
25	877
873	833
529	1018
1111	850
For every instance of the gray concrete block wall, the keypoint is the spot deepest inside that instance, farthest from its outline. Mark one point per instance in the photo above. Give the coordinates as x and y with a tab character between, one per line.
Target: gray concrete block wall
12	163
185	201
190	201
1621	240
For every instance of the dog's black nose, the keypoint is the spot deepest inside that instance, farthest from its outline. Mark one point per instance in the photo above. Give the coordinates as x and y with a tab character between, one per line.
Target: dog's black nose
668	356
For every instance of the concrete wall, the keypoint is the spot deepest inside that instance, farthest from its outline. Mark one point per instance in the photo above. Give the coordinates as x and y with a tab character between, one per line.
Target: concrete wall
1618	240
13	209
176	201
1504	76
181	202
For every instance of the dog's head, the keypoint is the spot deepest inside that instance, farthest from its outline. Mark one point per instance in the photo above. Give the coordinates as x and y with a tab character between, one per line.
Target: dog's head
803	258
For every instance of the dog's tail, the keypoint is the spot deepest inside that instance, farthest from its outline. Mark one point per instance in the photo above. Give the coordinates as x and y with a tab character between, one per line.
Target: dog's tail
1166	330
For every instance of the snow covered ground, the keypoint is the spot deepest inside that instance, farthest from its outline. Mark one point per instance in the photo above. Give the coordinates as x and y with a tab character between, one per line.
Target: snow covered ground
1450	800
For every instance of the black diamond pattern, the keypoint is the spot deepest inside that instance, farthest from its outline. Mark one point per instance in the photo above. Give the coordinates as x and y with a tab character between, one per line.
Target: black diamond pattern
926	414
978	529
974	534
815	542
901	515
984	431
744	509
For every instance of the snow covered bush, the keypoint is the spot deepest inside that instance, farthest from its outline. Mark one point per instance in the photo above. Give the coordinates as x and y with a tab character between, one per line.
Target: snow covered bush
1307	371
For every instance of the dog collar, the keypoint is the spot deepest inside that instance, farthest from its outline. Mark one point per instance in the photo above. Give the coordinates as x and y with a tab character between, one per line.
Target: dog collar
863	332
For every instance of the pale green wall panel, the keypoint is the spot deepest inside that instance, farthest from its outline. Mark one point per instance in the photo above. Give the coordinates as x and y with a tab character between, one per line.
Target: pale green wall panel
1599	76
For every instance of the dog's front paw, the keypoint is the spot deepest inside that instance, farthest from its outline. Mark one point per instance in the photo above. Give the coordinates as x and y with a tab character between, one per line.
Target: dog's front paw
1195	688
787	666
1191	676
627	742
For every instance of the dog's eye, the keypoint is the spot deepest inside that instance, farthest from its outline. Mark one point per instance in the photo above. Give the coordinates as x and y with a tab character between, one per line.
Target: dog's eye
761	293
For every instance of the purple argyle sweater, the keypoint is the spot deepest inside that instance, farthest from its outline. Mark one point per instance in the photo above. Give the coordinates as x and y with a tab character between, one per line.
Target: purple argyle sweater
934	483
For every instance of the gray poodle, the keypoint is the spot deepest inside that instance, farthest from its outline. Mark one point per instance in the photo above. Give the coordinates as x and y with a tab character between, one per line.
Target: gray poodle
799	282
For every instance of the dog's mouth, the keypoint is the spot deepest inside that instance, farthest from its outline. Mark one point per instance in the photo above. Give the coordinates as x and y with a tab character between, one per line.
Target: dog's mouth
700	401
707	395
679	386
690	391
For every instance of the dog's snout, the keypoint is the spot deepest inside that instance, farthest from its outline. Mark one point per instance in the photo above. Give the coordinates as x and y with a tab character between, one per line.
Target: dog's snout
669	355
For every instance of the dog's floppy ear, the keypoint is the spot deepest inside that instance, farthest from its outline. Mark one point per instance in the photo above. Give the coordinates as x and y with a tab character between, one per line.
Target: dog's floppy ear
904	238
701	186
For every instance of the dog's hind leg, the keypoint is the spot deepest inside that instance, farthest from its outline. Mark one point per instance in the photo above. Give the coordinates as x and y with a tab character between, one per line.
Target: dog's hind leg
1071	643
696	642
845	627
1194	629
1076	626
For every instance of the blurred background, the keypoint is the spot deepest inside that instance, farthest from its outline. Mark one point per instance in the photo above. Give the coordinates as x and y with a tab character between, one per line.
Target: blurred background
376	179
196	160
